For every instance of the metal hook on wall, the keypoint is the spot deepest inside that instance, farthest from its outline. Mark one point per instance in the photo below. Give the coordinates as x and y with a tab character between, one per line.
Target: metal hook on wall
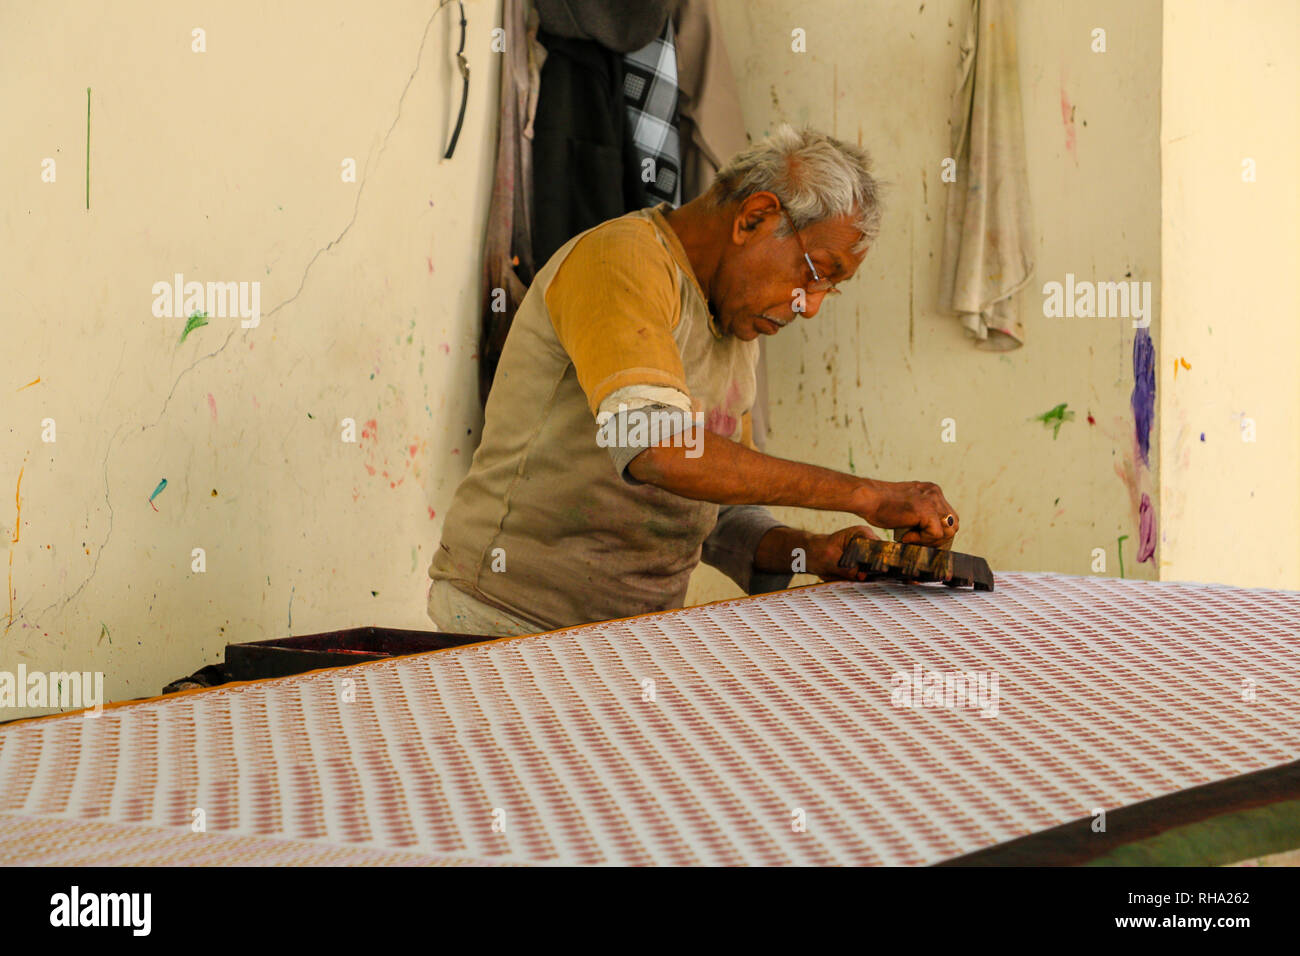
464	90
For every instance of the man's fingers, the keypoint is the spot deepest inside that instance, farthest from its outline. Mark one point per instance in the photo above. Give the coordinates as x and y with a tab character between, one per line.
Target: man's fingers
929	515
915	535
946	511
934	527
847	536
930	532
944	517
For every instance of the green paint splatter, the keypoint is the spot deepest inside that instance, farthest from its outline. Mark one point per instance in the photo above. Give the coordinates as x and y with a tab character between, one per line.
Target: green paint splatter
1120	544
374	594
157	491
1054	418
195	320
852	470
105	632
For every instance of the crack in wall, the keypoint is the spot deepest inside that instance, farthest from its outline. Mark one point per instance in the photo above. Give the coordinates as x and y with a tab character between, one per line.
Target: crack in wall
356	206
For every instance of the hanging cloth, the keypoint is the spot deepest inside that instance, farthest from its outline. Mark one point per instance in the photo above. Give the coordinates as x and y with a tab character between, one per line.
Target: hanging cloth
988	236
650	91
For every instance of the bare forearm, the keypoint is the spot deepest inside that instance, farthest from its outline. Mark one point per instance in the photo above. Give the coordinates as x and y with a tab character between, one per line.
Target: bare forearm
775	551
729	473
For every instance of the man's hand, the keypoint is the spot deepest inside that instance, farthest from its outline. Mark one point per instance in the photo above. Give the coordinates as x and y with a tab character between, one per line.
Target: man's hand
821	553
829	548
916	510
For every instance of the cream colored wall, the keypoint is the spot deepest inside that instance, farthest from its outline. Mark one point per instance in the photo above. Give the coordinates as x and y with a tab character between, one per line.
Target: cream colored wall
1231	254
866	383
225	165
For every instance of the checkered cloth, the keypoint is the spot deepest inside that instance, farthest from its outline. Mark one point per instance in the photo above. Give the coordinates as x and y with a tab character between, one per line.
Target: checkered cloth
650	90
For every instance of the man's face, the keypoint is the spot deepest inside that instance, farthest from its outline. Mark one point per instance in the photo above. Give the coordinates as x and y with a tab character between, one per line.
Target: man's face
754	288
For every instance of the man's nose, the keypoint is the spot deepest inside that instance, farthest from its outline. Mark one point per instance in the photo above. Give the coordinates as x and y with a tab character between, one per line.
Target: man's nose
812	303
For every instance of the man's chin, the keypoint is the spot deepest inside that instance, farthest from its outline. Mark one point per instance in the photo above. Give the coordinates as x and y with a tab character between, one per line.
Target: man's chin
756	326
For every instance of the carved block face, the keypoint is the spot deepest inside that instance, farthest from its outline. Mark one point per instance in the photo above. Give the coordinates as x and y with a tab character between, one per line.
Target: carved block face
915	562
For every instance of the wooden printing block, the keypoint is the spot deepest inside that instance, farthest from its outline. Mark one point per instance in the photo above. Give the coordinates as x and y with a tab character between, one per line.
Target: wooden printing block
915	562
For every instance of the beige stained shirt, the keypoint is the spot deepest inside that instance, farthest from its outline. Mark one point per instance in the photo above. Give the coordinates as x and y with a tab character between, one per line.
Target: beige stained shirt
545	525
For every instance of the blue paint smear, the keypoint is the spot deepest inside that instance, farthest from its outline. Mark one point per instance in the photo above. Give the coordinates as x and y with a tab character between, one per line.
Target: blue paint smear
1144	390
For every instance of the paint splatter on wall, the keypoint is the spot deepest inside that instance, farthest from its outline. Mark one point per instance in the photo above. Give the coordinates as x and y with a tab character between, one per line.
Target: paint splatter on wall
1144	391
1143	401
1067	120
1054	418
1146	529
195	321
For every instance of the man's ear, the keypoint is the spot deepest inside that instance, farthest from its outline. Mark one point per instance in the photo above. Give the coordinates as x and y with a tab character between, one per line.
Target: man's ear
743	227
748	219
752	214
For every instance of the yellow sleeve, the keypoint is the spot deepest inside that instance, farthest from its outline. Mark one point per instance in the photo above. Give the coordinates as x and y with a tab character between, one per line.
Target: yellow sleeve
614	303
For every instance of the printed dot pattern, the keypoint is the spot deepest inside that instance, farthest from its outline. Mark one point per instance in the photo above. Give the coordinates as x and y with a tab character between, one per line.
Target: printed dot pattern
763	712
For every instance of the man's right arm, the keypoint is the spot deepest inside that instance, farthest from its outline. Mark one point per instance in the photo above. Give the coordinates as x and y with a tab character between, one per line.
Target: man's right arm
727	472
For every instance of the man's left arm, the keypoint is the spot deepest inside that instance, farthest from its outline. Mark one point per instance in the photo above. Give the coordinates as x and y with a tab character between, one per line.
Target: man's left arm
750	546
782	551
734	546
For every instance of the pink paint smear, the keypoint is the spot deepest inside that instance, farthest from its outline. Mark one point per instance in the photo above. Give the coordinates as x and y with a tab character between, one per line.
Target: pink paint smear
1068	121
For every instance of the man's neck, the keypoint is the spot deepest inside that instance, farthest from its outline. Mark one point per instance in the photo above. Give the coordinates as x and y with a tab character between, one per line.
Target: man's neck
696	230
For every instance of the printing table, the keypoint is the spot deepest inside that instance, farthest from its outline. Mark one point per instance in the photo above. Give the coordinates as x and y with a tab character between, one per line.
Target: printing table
763	730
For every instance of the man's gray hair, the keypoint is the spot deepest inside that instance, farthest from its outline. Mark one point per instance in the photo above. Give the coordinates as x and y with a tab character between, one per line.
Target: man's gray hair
815	176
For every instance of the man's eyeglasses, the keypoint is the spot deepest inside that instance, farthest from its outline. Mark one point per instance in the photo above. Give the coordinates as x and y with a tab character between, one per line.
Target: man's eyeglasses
818	284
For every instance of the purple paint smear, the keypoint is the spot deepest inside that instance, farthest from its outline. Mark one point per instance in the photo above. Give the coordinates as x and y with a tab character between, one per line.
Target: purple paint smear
1144	390
1146	529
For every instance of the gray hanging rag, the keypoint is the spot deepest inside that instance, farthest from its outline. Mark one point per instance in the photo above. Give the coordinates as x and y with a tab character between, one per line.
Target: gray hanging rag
987	248
618	25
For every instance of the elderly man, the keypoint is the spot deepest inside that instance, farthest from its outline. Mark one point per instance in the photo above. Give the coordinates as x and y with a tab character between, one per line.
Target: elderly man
573	510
